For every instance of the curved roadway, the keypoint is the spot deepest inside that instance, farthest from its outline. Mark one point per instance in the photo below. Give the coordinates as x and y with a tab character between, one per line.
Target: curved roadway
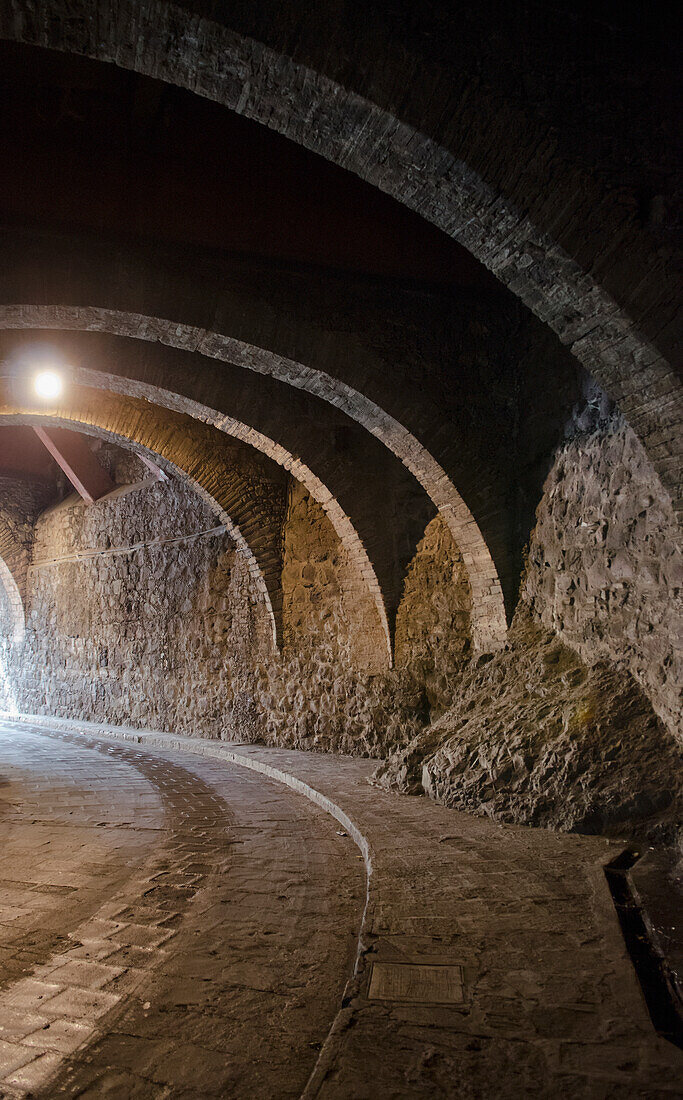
167	928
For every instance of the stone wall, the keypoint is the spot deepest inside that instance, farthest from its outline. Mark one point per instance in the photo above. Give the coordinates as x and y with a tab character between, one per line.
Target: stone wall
537	737
172	634
318	697
605	568
432	624
571	726
20	504
132	636
576	724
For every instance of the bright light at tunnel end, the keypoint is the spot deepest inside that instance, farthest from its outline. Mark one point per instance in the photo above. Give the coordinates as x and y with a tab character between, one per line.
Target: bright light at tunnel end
48	384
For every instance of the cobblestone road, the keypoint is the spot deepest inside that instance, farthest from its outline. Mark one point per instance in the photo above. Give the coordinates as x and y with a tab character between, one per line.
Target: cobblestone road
168	927
177	924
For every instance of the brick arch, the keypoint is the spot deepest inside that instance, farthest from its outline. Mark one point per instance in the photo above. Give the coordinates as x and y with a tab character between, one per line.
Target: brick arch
189	448
379	520
214	480
489	624
466	161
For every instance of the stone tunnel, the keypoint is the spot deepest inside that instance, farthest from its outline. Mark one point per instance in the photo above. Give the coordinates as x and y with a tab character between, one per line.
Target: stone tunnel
341	632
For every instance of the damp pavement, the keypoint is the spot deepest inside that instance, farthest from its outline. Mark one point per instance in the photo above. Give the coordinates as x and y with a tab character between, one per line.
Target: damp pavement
183	918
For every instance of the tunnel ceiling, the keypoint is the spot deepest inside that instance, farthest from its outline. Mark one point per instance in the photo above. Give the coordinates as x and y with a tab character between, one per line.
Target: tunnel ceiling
138	158
336	275
113	161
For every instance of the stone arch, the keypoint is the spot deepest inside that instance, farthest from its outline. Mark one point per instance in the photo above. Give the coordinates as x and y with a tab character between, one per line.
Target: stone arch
440	175
488	617
260	556
187	447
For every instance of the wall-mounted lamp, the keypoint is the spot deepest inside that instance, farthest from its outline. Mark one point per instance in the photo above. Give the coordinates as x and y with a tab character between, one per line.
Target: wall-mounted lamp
48	384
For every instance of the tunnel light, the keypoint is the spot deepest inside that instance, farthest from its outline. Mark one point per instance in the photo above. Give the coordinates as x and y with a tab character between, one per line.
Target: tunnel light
48	384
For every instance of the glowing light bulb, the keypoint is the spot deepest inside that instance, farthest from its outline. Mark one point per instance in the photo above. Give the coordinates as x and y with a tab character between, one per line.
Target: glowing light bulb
48	384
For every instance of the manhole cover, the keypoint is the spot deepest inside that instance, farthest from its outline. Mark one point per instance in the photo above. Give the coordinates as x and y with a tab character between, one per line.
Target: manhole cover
420	983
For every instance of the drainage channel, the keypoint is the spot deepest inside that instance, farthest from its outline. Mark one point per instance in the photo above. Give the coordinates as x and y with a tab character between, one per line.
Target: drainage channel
655	977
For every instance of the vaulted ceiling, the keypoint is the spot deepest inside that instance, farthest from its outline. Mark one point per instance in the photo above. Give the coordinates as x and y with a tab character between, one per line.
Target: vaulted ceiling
357	271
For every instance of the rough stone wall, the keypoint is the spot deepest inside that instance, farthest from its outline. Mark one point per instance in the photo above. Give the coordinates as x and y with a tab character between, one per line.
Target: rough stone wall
537	737
318	697
605	568
432	624
559	729
134	637
326	607
576	725
172	635
20	503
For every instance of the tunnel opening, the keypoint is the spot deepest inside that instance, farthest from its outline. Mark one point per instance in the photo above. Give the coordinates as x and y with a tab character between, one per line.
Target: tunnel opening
11	637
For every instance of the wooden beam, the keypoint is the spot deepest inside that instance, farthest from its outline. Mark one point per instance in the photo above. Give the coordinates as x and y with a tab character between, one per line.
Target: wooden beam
158	474
71	452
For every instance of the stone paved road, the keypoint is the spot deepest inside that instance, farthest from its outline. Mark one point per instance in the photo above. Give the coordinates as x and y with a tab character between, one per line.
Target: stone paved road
491	966
168	927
